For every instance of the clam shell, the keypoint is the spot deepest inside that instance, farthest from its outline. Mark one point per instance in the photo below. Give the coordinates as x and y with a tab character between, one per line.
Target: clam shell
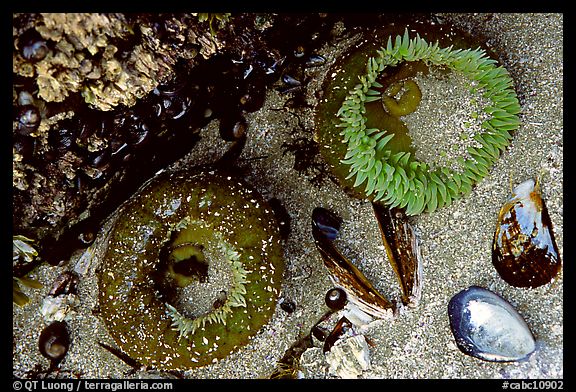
486	326
524	250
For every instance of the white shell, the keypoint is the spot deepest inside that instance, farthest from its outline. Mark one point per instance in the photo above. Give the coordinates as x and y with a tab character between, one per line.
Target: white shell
59	308
349	357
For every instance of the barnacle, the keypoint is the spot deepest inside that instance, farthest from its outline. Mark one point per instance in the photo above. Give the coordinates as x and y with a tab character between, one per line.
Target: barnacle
110	59
148	291
379	161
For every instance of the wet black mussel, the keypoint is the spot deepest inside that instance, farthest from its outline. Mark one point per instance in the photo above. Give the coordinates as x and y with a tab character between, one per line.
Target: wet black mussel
65	283
326	223
32	46
341	328
232	127
28	120
288	306
402	249
524	250
315	60
291	81
486	326
289	84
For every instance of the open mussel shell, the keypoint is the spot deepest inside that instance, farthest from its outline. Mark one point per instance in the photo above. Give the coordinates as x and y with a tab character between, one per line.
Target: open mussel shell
524	251
342	327
486	326
345	275
403	251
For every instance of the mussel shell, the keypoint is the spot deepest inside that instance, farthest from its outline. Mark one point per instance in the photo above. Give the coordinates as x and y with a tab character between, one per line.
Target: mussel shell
403	251
288	306
315	60
65	283
35	51
326	222
28	120
291	81
32	46
344	274
233	127
524	251
486	326
342	327
54	341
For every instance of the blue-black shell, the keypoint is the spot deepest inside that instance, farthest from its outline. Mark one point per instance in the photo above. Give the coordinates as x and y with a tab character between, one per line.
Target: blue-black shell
486	326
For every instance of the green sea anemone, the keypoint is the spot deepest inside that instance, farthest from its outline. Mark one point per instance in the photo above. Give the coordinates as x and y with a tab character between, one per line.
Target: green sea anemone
376	157
191	271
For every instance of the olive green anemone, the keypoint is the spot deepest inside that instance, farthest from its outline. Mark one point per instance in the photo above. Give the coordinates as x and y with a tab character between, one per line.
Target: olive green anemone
388	171
191	271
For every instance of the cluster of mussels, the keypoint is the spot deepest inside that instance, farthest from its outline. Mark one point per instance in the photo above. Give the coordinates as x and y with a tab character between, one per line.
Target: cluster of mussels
525	254
484	324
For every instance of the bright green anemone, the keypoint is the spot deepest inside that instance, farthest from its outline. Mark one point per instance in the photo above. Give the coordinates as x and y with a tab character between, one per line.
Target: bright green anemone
396	178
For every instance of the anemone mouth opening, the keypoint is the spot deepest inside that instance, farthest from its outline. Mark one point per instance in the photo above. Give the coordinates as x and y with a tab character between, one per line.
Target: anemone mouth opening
193	278
400	96
434	113
187	263
199	277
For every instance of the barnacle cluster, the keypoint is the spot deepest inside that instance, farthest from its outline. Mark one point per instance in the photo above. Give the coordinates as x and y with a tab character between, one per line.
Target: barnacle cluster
390	171
85	60
107	58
